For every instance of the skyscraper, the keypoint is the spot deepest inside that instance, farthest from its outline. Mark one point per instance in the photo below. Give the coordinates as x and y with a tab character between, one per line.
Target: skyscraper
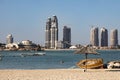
51	32
114	37
94	36
104	37
48	33
66	37
54	32
9	39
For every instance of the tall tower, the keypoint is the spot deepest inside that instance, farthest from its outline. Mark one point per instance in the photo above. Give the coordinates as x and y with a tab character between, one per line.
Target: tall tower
51	33
114	37
48	33
104	37
54	32
94	36
66	37
9	39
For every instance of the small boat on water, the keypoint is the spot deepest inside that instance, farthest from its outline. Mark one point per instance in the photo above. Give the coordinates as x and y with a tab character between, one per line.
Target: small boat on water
31	54
39	54
113	65
90	63
0	58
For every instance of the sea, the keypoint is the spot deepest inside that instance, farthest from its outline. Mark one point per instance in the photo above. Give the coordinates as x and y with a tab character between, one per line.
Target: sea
63	59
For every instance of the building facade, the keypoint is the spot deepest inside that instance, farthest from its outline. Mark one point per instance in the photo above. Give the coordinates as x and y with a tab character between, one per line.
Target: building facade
66	37
48	33
114	38
51	33
104	37
9	39
94	36
60	45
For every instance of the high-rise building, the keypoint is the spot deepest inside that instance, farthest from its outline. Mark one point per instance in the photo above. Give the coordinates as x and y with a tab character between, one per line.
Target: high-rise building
48	33
51	32
104	37
54	32
9	39
114	37
66	37
94	36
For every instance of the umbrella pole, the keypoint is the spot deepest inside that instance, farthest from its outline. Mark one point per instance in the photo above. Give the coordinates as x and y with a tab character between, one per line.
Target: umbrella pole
86	61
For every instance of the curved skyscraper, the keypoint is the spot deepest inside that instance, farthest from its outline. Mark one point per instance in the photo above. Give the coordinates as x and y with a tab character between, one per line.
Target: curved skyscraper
94	36
51	33
104	37
47	33
54	32
114	37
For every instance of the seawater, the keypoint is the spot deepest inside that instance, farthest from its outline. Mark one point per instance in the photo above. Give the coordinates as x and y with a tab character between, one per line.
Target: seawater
52	59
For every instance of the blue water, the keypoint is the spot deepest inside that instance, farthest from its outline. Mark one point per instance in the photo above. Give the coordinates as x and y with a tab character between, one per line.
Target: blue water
52	59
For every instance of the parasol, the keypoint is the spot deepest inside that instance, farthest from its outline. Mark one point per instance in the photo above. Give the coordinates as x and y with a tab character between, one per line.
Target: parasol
86	50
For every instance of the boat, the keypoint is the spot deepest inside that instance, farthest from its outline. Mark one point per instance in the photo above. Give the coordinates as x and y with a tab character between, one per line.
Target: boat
39	54
1	57
113	65
31	54
90	63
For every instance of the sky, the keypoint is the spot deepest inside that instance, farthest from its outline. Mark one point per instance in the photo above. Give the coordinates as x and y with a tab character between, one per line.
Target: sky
26	19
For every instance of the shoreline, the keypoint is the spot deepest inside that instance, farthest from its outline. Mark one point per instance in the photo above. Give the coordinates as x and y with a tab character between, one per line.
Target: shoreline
57	50
59	74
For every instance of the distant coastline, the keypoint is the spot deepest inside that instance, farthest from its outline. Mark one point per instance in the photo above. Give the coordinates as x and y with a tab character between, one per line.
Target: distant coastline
43	49
60	49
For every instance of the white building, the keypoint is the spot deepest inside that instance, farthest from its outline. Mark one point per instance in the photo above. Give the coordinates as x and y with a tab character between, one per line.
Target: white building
12	45
114	37
27	42
9	39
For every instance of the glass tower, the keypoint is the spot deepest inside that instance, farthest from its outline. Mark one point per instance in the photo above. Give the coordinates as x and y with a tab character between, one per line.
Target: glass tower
51	33
94	36
104	37
114	37
66	37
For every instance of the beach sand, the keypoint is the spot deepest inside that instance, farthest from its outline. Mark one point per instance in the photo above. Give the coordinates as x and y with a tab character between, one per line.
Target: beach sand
60	74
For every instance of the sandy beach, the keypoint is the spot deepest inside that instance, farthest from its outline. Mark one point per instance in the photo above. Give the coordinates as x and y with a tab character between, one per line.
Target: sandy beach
60	74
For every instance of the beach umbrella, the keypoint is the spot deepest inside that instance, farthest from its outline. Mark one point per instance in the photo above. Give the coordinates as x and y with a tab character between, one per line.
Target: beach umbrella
86	50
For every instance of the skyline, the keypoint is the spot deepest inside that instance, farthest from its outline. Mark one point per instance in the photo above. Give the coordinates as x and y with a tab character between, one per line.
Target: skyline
26	19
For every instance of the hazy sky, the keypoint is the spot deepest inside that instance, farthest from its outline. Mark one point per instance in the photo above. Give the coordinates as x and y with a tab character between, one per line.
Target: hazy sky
26	19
